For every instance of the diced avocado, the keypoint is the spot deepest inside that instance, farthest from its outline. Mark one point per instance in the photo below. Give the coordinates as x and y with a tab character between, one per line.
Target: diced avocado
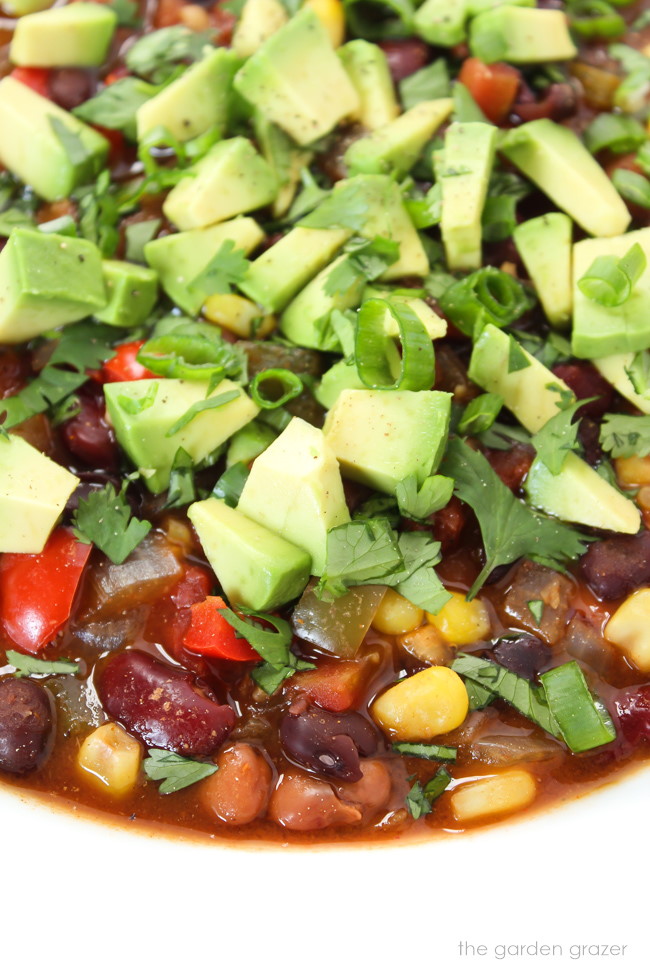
132	291
295	489
282	270
197	101
488	368
285	159
31	149
435	325
475	7
367	66
297	80
601	331
339	377
33	494
463	168
441	22
249	442
75	36
544	245
255	567
232	178
47	280
555	159
614	369
521	35
397	145
142	413
578	493
180	258
258	20
18	8
303	320
380	437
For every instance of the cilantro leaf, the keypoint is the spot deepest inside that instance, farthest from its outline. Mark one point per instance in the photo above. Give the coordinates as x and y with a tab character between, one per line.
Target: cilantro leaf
175	772
510	529
420	799
212	403
99	214
137	235
420	503
26	665
115	107
558	437
48	389
181	481
84	345
227	267
434	753
133	405
536	609
345	208
104	518
480	414
638	372
625	436
231	484
71	141
155	55
367	260
127	13
272	645
425	84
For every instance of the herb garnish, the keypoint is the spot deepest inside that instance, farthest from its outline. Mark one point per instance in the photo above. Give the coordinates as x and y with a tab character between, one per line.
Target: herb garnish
105	519
272	645
175	772
27	666
625	436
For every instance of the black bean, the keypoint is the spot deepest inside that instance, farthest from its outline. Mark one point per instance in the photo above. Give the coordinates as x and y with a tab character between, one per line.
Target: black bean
615	566
526	655
27	719
327	743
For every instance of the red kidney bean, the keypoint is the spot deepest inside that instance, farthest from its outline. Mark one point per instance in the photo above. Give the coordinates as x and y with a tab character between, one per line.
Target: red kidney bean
585	381
559	102
27	719
14	372
405	57
512	465
589	437
302	803
632	709
615	566
89	436
448	523
328	743
526	656
70	87
165	707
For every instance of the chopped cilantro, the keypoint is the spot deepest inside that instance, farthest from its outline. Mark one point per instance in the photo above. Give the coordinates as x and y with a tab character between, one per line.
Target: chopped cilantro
625	436
420	799
175	772
155	55
137	235
104	518
115	107
345	208
480	414
227	267
71	141
536	607
133	405
434	753
212	403
84	345
49	388
419	503
181	481
127	13
26	665
272	645
367	260
231	484
558	437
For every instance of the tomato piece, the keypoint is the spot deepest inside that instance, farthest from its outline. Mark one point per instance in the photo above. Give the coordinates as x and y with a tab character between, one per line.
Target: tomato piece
38	79
124	366
37	591
213	636
492	86
334	686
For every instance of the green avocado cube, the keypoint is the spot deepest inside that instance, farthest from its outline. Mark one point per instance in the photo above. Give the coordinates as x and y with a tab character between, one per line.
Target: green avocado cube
544	245
144	411
615	369
442	22
297	80
382	436
396	146
232	178
367	66
75	36
255	567
132	291
32	149
249	442
302	320
521	35
47	280
17	8
33	494
258	20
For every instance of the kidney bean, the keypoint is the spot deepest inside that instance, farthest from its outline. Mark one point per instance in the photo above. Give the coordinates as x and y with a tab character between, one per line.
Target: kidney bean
372	792
89	436
14	372
70	87
512	465
448	523
585	381
239	791
526	656
632	711
27	719
164	706
301	803
589	437
615	566
328	743
559	102
405	57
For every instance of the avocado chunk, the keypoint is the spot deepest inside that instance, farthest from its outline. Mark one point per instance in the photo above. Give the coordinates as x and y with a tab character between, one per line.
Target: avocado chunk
304	319
33	494
435	325
180	258
441	22
579	494
339	377
614	368
249	442
31	149
297	80
285	159
295	489
521	35
544	245
255	567
282	270
47	280
258	20
197	101
601	331
463	168
75	36
555	159
232	178
132	292
367	66
382	436
143	412
396	146
18	8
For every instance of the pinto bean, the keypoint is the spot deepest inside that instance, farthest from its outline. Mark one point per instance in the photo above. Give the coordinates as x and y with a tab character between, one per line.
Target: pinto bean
239	791
328	743
163	706
27	720
302	803
615	566
372	792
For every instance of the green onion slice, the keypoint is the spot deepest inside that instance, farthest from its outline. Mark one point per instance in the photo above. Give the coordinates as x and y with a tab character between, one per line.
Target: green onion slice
584	722
488	295
609	281
633	186
290	387
372	348
595	18
379	19
618	133
180	356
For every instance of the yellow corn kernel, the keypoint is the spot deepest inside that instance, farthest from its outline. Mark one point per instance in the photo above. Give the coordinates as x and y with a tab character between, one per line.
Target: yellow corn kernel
426	644
194	17
395	614
110	758
632	471
240	315
628	629
493	795
462	622
331	15
427	704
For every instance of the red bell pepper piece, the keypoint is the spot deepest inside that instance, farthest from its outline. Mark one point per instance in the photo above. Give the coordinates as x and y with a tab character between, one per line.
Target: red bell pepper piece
37	591
38	79
213	636
124	366
492	86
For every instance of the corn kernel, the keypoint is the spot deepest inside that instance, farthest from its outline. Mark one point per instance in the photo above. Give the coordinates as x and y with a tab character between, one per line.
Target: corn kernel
426	644
631	471
194	17
462	622
427	704
628	629
395	614
493	795
110	758
240	315
331	15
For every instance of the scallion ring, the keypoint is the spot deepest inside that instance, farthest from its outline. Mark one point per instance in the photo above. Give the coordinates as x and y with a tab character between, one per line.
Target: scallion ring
373	346
290	385
595	18
180	356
